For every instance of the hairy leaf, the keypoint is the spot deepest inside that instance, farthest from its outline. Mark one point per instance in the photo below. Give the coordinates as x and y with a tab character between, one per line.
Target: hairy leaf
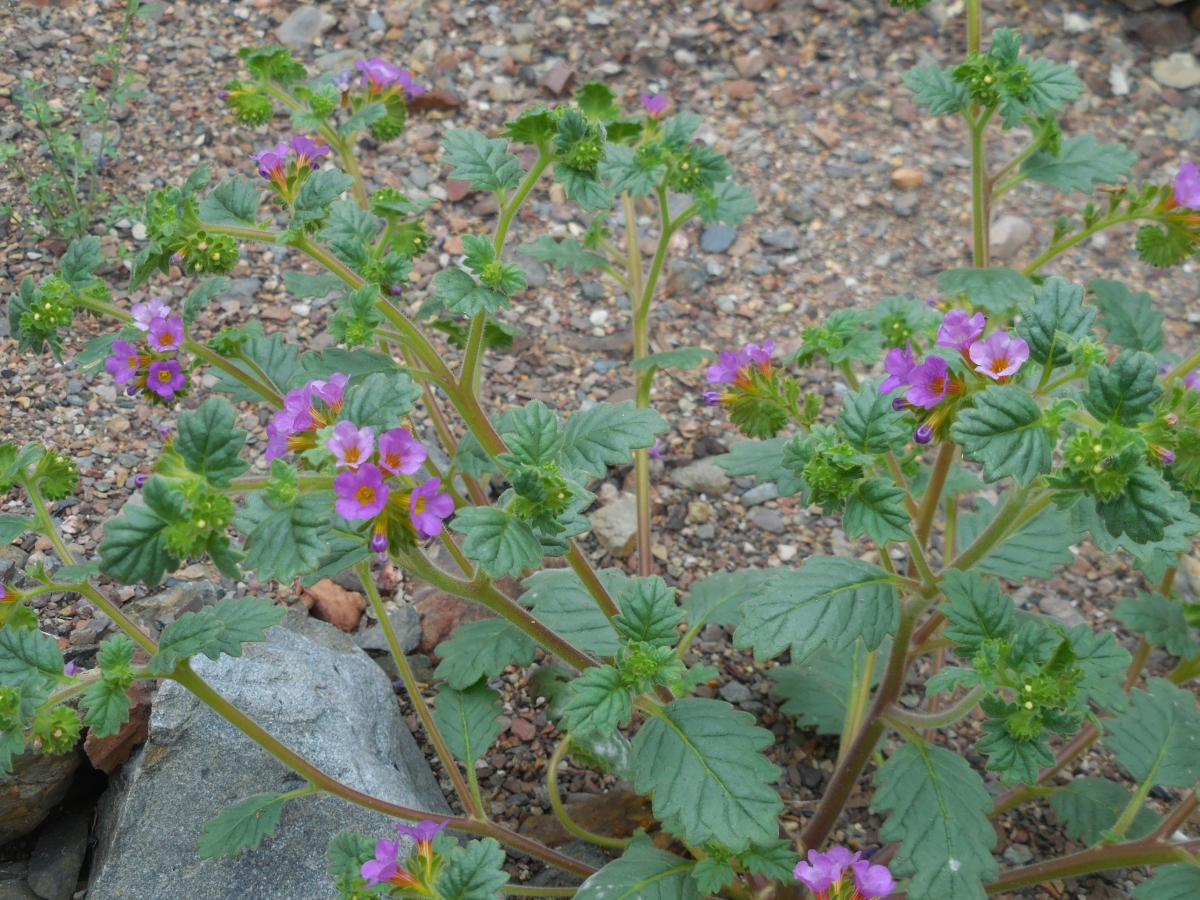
976	609
762	460
1032	551
473	872
532	435
232	202
1082	163
563	253
319	190
186	636
24	651
1016	760
583	187
1004	432
272	356
462	294
560	600
625	171
877	508
1143	511
107	705
199	299
817	690
467	720
935	88
484	162
13	526
717	600
1057	314
78	263
241	826
601	702
1158	738
642	873
727	202
245	621
1130	319
1124	393
482	648
606	435
1177	882
1104	662
501	543
380	401
648	613
209	443
1162	621
1087	807
134	546
683	358
284	540
996	289
868	422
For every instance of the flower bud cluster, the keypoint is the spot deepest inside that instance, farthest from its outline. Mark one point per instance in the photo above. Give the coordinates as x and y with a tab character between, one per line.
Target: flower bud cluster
285	172
418	874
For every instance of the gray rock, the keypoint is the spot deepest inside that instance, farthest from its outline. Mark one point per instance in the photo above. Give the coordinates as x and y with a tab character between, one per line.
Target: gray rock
1008	235
1017	854
12	564
58	857
760	493
406	622
784	239
684	278
800	211
702	476
615	525
768	520
242	288
303	25
337	61
717	238
375	22
535	272
734	692
158	611
321	696
1058	607
13	883
906	204
36	785
111	138
593	290
1189	125
1179	70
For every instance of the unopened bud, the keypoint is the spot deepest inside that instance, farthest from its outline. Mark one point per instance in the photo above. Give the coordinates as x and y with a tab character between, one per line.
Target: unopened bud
923	434
899	404
140	479
379	543
1172	419
1165	456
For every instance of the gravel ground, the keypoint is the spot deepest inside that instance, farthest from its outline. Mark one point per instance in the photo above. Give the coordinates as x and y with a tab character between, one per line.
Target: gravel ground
806	100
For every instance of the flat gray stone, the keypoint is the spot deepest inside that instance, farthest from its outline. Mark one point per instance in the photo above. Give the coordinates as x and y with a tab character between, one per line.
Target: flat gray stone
684	278
157	611
615	525
717	238
1179	70
321	696
1017	854
800	211
784	239
58	857
406	622
303	25
760	493
734	692
1189	125
702	476
36	785
1058	607
768	520
906	204
1008	235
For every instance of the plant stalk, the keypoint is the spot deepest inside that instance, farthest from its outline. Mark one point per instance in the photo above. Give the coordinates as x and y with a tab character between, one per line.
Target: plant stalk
580	832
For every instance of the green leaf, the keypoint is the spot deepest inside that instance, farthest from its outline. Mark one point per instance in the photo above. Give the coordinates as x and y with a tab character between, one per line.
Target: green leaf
463	295
761	459
364	118
728	203
1081	164
683	358
606	435
208	442
319	190
467	720
642	873
203	295
1158	738
473	872
186	636
601	702
532	435
1143	511
817	689
284	540
938	812
13	526
648	613
711	874
345	550
134	546
560	601
107	704
583	187
301	284
482	648
80	261
561	254
501	543
245	621
625	170
1124	393
1032	551
868	422
1004	432
774	860
1130	319
1162	621
272	356
380	401
1017	760
484	162
232	202
77	573
24	651
1056	315
996	289
877	508
347	852
702	760
717	600
595	100
241	826
830	600
1088	807
1050	86
935	88
976	609
1178	882
1103	662
358	364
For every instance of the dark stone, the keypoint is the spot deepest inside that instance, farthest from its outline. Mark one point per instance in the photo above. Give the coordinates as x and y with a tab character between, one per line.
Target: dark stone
717	238
58	857
1161	30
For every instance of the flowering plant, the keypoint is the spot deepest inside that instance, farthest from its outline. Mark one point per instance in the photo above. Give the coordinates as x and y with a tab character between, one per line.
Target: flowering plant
1000	381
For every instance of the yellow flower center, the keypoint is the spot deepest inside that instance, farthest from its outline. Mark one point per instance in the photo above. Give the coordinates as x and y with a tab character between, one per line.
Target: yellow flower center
365	494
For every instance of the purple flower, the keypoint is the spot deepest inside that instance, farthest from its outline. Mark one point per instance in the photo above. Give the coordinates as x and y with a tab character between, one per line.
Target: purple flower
307	151
654	452
271	162
427	508
959	330
277	442
361	492
165	379
145	313
165	431
396	290
423	832
1191	379
760	355
378	75
400	453
726	369
341	81
1000	356
222	94
898	364
824	869
4	594
166	334
124	363
924	433
350	446
384	866
140	479
332	391
296	414
1165	456
929	383
70	669
712	398
378	542
409	87
1186	188
655	104
872	881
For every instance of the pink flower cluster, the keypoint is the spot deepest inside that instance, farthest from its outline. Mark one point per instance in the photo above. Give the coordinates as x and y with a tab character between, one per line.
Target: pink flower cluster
1186	188
734	369
654	104
824	874
386	866
1192	379
305	411
274	163
151	370
380	77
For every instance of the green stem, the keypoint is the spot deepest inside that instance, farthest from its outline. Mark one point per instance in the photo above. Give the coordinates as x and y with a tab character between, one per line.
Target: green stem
345	149
580	832
940	718
305	245
592	582
245	232
933	493
1184	367
1185	671
473	357
208	355
860	696
1066	244
974	26
1008	167
204	692
105	308
994	533
510	209
979	186
1133	808
1098	859
470	799
893	465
